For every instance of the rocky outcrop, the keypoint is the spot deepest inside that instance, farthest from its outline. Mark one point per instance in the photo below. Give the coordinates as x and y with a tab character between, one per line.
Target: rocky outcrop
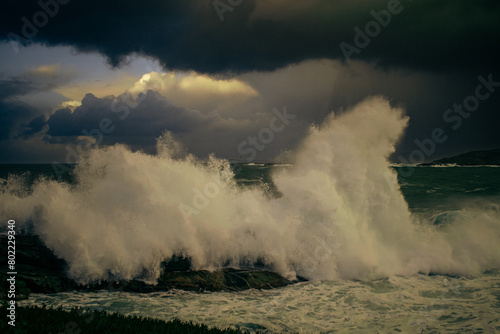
40	271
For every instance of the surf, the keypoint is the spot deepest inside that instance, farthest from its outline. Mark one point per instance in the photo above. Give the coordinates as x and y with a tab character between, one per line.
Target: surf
340	214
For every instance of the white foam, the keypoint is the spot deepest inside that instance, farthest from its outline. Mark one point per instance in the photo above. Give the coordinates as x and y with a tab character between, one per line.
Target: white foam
341	214
416	304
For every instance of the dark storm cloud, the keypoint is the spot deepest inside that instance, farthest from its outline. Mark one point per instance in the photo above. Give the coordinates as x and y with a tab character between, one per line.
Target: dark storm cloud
15	114
18	118
41	79
14	87
260	35
310	90
134	123
35	126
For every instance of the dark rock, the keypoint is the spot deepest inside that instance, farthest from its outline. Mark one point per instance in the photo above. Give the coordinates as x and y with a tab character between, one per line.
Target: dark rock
40	271
176	263
36	266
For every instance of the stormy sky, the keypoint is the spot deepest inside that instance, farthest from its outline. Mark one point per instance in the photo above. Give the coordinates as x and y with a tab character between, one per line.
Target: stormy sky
214	72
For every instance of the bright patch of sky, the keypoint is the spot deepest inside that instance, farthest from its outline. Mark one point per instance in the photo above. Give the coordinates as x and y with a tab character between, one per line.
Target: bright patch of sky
92	74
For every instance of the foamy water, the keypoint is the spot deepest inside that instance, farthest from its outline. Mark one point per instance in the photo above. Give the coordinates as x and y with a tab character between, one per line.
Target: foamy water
341	214
341	217
417	304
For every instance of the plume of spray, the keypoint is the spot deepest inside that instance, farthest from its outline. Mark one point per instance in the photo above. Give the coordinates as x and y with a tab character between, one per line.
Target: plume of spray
341	215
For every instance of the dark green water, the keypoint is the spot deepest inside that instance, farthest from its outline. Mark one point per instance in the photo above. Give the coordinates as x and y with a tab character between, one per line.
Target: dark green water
448	188
414	303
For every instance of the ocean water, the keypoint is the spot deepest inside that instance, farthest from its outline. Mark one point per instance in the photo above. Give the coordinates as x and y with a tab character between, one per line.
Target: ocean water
386	249
418	303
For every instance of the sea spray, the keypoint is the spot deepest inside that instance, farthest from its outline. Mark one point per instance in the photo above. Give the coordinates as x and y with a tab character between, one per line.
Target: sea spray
339	191
341	213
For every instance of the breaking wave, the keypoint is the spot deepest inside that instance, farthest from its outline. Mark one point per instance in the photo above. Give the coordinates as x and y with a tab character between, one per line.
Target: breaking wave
341	213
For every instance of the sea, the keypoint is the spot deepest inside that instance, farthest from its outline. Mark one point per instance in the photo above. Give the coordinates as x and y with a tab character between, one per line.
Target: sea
383	248
415	251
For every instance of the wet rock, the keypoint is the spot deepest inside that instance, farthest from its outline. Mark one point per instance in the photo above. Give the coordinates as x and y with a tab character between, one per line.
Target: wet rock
40	271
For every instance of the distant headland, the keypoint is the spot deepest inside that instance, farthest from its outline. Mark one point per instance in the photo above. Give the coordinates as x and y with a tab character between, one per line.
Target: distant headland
473	158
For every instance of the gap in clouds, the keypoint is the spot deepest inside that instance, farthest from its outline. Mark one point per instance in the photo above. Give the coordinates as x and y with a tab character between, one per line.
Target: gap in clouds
214	114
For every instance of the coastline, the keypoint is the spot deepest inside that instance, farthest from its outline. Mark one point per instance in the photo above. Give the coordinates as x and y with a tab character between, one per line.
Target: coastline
40	271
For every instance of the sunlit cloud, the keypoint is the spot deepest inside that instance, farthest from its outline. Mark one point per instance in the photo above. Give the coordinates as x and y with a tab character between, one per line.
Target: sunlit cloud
71	104
46	70
194	90
77	90
50	76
